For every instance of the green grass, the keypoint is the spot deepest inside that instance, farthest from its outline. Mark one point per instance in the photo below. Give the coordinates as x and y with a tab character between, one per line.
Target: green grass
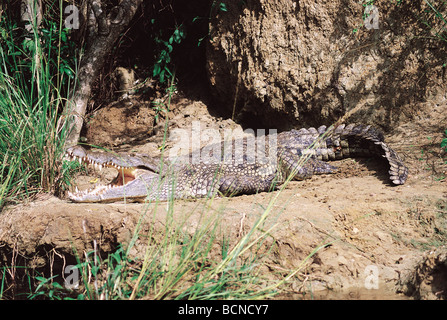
434	19
180	263
35	82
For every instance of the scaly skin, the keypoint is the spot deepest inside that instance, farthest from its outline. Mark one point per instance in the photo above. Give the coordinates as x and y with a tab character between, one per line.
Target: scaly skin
297	154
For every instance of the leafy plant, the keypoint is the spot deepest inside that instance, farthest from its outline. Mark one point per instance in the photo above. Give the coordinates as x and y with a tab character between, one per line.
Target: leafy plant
221	7
47	288
162	67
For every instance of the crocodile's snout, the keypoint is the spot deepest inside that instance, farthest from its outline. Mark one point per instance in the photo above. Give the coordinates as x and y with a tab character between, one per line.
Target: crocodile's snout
126	174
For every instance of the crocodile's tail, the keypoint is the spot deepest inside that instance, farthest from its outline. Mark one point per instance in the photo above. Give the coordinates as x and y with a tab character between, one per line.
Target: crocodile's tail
352	142
344	141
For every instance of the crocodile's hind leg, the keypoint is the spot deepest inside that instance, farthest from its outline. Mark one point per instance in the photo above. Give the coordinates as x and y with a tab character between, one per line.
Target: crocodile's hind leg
320	167
311	166
293	162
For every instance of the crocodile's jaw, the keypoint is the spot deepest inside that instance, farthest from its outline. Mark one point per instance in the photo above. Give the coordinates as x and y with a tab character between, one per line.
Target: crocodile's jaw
131	183
133	191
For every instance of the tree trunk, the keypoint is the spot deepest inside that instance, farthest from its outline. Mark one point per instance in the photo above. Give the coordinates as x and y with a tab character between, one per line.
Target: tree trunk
104	30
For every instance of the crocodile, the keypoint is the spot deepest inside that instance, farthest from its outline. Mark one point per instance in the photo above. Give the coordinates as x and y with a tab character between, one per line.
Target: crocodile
294	154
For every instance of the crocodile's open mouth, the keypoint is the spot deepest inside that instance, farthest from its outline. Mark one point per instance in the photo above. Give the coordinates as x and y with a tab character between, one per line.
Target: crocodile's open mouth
125	176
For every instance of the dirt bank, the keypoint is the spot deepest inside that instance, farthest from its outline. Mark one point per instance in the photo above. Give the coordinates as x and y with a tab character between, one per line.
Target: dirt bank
373	231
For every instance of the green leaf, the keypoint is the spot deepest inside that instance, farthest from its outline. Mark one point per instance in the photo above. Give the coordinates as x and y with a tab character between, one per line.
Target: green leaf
162	76
223	7
157	70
